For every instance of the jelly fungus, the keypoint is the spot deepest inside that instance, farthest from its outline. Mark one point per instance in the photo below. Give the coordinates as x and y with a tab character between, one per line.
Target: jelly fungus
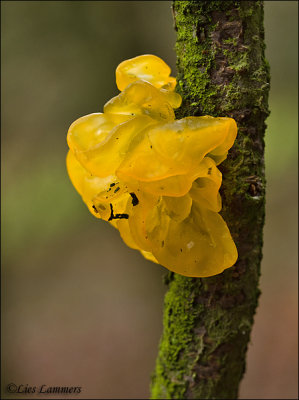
153	177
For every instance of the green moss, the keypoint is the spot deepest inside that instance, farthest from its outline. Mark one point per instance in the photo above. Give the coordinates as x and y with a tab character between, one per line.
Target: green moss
231	40
197	56
179	319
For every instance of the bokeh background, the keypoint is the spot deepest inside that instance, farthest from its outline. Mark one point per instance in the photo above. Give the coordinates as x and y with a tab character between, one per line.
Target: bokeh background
79	308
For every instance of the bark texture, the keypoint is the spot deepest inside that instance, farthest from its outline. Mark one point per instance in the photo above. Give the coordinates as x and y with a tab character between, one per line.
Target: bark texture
222	71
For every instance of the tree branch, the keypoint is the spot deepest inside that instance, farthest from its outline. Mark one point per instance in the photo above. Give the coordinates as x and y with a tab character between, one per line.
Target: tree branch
222	71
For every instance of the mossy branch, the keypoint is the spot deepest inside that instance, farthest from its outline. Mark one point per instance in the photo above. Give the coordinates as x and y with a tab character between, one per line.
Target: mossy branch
222	71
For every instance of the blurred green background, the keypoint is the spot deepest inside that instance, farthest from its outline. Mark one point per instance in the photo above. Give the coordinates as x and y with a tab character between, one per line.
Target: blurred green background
79	308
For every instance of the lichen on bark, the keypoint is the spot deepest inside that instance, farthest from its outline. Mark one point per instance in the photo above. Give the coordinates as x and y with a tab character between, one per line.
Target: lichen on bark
222	71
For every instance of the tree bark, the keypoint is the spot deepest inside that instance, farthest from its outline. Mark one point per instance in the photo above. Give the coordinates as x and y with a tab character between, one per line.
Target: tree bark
222	71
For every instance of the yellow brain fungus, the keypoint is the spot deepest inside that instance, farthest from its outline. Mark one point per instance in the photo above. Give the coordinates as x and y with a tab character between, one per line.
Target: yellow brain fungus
153	177
147	68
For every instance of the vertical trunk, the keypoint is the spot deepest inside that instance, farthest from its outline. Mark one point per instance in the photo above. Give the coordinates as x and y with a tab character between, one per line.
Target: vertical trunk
222	71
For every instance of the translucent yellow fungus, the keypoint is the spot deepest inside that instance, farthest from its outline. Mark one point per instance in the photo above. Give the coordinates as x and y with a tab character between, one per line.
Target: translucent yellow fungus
152	177
147	67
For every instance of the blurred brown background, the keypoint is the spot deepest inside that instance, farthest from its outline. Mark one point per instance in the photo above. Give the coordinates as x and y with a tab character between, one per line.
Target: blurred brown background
79	308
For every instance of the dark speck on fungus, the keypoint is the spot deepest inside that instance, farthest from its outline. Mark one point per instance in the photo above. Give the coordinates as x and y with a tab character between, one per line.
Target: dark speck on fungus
117	216
135	200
